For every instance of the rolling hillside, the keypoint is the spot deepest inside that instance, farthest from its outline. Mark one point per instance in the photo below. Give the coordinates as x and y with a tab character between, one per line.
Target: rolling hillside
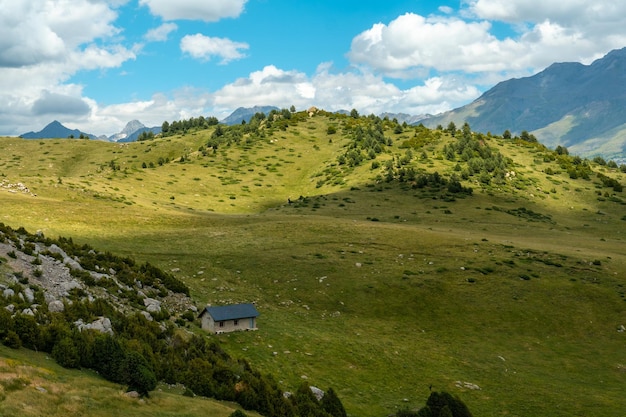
384	259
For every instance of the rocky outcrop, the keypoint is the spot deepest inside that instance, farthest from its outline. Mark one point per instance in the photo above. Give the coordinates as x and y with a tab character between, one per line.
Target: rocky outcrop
63	280
102	325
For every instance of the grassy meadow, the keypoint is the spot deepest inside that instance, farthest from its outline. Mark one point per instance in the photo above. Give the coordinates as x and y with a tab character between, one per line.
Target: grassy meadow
510	298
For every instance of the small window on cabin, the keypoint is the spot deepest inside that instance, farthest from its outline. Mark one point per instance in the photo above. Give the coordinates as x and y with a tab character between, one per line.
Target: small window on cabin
221	324
236	322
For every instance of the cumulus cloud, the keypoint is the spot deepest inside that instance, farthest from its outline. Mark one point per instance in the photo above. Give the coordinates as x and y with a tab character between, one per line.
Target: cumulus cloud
568	13
269	86
161	33
204	47
42	44
46	30
444	43
364	91
541	32
207	10
53	103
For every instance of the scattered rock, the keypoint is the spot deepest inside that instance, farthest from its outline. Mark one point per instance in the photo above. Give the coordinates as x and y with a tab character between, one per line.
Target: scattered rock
467	385
28	312
8	293
132	394
102	325
319	394
41	389
152	305
56	306
29	295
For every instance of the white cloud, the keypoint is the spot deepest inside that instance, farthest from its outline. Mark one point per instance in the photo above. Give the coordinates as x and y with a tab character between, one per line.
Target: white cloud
161	33
364	91
205	47
269	86
42	44
446	44
568	13
542	32
207	10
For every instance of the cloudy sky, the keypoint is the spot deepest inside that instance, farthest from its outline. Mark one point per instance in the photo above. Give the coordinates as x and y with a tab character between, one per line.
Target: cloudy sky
95	64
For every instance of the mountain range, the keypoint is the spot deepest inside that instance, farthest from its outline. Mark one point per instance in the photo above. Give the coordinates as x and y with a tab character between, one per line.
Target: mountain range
55	129
582	107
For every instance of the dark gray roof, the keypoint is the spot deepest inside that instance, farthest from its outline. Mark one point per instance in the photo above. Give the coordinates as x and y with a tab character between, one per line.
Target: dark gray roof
232	312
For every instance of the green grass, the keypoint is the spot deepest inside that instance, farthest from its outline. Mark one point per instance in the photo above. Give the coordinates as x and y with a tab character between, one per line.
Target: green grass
501	289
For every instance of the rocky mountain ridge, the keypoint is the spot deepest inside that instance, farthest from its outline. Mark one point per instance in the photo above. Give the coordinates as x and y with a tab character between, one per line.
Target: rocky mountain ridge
581	107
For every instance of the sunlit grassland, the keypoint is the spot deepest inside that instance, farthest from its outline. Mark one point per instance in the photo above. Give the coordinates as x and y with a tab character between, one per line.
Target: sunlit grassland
378	290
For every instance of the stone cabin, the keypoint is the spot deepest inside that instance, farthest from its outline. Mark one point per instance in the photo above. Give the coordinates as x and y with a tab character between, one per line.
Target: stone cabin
229	318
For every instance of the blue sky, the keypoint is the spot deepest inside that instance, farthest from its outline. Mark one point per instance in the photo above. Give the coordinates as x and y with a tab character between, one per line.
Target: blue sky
95	64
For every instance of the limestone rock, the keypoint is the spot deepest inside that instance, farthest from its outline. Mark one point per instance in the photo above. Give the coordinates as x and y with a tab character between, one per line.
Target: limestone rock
319	394
29	295
102	325
152	305
56	306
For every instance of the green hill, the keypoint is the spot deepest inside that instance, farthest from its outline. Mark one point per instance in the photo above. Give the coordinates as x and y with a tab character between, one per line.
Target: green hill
384	259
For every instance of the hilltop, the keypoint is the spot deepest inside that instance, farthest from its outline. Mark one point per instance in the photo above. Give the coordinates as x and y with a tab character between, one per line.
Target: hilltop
385	258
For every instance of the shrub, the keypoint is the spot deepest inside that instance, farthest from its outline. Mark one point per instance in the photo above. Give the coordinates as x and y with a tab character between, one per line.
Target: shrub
12	340
66	354
138	374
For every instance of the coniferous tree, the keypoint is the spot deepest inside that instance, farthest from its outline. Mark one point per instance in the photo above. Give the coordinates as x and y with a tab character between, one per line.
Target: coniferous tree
332	404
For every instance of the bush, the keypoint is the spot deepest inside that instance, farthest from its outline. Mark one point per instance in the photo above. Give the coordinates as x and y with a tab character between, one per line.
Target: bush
66	354
139	376
444	404
12	340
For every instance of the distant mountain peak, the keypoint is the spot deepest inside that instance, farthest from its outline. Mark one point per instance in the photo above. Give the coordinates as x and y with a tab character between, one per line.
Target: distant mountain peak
55	129
246	113
130	128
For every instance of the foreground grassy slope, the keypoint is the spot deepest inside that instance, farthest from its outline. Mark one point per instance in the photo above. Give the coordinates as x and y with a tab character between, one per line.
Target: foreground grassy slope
376	289
32	384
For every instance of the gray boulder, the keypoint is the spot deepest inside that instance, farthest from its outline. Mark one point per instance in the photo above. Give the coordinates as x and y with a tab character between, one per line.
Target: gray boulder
152	305
29	295
56	306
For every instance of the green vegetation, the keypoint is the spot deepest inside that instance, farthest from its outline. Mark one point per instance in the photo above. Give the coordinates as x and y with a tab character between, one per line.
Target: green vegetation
139	351
510	296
